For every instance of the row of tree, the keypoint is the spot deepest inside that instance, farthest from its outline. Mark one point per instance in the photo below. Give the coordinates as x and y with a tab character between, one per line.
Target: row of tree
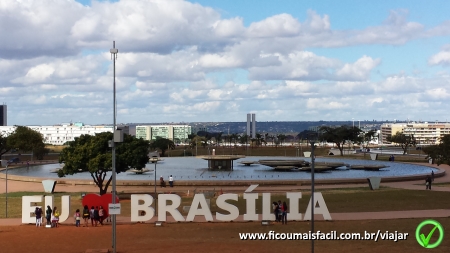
23	139
207	139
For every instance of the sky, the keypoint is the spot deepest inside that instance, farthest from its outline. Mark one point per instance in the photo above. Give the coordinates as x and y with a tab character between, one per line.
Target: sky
216	61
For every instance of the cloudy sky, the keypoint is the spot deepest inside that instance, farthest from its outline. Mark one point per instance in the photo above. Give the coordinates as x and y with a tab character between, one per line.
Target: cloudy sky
212	60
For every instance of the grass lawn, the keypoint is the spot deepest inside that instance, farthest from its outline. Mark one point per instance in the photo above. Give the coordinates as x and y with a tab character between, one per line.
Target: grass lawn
337	200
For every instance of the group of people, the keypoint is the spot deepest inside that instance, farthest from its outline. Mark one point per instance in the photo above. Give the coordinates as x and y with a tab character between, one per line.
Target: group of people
96	214
163	183
51	216
280	210
392	158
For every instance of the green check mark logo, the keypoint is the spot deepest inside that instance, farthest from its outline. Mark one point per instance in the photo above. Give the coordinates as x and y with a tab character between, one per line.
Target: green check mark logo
425	241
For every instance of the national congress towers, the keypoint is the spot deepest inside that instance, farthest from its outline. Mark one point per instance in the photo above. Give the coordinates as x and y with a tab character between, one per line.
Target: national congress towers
3	115
251	125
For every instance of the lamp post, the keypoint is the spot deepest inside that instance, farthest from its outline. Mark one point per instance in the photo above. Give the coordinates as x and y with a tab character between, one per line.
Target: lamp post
5	164
114	52
313	142
155	160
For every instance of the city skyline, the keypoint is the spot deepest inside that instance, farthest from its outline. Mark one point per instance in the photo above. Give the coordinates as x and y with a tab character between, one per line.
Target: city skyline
216	61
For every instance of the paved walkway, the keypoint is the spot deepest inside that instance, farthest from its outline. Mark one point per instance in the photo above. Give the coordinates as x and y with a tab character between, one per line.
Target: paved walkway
16	186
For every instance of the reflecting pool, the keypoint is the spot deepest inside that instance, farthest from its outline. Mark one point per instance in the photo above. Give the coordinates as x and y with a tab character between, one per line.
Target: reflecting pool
191	168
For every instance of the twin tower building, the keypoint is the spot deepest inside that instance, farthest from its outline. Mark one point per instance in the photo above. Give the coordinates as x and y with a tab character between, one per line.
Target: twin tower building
251	125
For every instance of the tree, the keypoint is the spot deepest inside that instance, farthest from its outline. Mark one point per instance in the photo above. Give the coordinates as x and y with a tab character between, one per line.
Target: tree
4	147
27	139
281	138
367	138
306	134
243	139
235	138
403	140
92	154
439	153
258	139
219	138
340	135
163	144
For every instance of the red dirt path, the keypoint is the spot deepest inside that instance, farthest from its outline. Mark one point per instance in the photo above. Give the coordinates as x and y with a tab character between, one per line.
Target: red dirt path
200	237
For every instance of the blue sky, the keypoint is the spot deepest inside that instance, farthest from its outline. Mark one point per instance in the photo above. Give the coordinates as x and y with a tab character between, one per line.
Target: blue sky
211	60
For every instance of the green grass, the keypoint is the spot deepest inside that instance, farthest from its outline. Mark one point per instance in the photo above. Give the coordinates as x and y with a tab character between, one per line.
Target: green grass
337	200
362	200
15	202
441	184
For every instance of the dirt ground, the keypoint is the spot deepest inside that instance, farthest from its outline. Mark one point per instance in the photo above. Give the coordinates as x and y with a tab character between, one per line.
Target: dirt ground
204	237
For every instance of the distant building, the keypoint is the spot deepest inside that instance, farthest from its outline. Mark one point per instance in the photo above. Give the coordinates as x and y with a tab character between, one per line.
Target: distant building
3	115
424	133
60	134
251	125
175	133
199	128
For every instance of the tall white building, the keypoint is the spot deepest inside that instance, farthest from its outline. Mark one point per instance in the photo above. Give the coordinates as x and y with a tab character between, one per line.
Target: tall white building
424	133
60	134
175	133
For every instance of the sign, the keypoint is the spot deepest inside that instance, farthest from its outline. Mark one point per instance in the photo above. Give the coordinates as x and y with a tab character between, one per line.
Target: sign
424	240
142	210
114	208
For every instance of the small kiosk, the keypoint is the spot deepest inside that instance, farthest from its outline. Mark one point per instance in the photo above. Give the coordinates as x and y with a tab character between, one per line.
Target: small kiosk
221	162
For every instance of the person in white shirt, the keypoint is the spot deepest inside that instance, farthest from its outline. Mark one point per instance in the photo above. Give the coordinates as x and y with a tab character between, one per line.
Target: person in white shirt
171	181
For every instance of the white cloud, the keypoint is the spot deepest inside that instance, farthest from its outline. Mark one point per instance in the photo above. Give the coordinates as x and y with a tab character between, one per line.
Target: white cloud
276	26
443	57
359	70
438	94
325	104
229	27
189	62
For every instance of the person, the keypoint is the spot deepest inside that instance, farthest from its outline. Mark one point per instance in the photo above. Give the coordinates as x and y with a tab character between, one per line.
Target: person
92	215
393	158
284	215
96	216
77	218
161	180
428	183
101	214
275	210
55	217
86	215
171	181
38	213
280	212
432	176
48	215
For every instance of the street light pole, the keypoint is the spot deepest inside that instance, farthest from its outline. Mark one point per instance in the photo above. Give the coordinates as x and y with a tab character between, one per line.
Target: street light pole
4	163
155	178
155	160
312	192
6	191
114	52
